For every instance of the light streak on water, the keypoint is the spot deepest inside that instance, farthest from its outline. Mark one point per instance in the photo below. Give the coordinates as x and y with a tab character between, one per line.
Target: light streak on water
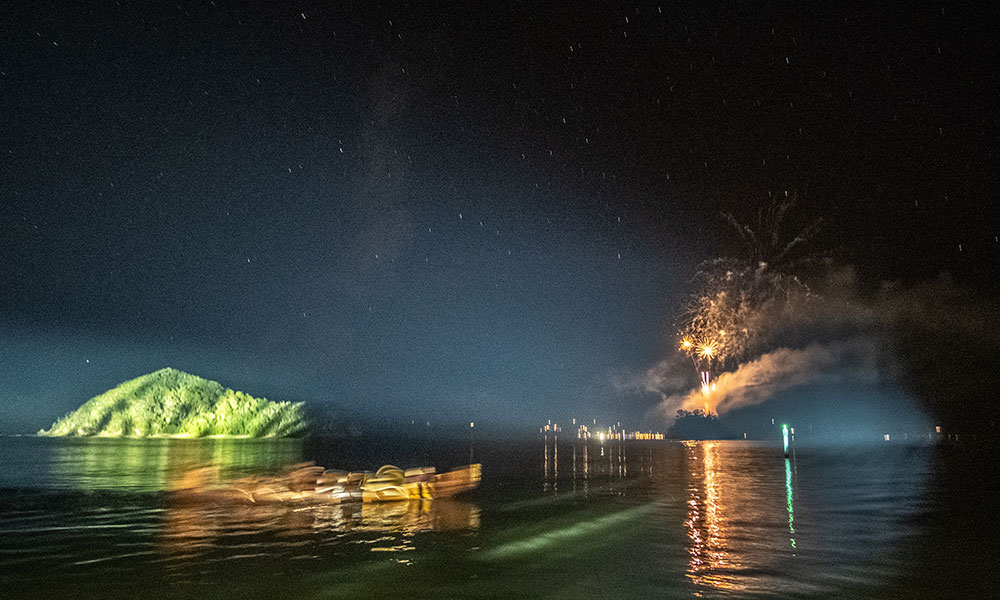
788	501
566	535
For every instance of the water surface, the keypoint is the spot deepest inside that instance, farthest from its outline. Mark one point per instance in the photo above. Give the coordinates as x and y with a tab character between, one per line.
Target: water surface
651	519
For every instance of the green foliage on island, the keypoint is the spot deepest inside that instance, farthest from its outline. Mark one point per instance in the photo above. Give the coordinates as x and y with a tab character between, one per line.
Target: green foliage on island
169	402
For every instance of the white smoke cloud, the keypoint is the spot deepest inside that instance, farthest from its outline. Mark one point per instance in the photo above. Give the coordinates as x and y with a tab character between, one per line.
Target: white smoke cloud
855	360
838	335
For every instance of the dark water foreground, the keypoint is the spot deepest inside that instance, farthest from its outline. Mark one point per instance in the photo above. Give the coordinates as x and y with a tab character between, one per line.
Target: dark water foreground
95	519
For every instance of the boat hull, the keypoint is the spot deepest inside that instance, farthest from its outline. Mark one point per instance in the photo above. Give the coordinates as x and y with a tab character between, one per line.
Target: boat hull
309	483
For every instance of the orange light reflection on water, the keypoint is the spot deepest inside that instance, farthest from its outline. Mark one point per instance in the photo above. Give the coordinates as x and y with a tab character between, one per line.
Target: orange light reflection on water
711	563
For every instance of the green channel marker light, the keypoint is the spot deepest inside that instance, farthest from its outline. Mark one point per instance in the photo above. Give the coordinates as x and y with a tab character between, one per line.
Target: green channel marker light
784	437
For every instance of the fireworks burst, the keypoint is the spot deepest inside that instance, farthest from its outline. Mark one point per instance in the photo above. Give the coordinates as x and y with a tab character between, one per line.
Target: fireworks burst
726	310
765	244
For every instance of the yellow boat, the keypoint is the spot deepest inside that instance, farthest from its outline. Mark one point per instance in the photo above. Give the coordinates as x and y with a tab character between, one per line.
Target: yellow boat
390	483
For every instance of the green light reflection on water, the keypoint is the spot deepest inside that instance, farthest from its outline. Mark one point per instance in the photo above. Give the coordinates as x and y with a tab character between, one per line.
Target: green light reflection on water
788	501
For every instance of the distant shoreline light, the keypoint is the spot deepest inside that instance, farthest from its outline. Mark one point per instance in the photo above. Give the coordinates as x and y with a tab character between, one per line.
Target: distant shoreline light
614	432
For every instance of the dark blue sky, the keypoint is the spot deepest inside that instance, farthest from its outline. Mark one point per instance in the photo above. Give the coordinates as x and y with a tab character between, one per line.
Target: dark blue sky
453	213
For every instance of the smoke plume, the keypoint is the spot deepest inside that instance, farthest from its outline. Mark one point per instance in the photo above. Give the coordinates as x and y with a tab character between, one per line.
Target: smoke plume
856	360
915	339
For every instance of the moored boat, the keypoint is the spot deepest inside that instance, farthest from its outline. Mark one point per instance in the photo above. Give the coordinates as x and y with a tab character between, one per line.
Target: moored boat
311	483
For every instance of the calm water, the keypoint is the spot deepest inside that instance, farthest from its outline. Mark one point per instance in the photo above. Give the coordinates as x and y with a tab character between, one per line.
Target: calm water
95	518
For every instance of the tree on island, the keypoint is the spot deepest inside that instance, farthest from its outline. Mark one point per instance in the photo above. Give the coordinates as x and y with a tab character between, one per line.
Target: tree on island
696	425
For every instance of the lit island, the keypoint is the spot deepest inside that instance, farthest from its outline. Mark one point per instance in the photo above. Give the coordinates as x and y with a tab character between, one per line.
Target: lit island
171	403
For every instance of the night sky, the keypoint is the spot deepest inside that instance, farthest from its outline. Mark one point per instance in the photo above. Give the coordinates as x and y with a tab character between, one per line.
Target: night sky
479	212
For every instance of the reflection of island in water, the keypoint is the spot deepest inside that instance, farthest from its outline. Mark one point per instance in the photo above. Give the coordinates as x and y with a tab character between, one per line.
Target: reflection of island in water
150	465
